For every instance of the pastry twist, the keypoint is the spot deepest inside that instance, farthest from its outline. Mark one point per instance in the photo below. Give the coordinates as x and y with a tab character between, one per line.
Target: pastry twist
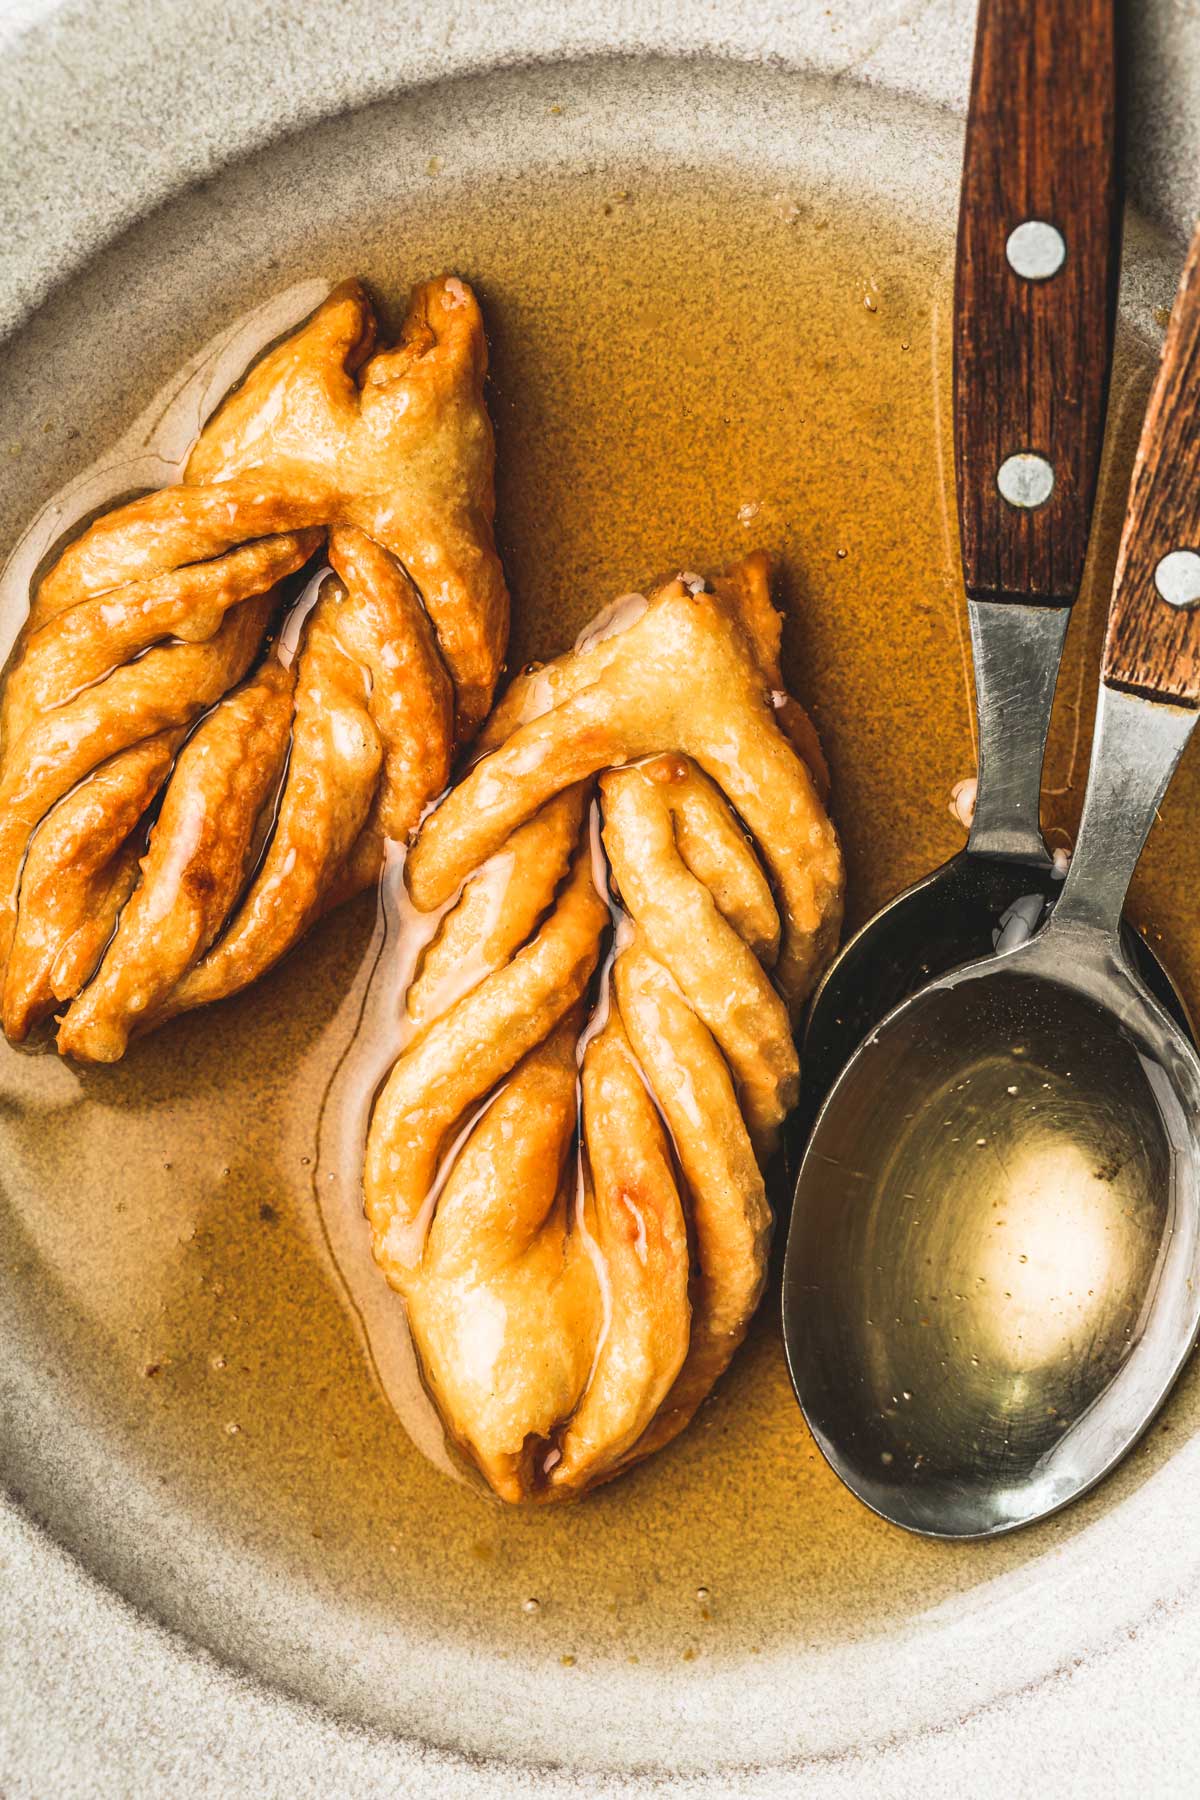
563	1174
140	680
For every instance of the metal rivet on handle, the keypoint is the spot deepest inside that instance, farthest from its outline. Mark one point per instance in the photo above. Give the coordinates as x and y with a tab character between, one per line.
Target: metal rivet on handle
1025	480
1177	577
1036	250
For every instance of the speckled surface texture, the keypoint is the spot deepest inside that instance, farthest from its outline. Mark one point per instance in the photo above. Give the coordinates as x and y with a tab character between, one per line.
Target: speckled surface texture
116	103
1070	1668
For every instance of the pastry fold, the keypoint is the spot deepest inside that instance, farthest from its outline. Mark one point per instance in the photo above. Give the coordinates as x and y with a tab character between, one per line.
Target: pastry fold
638	885
196	763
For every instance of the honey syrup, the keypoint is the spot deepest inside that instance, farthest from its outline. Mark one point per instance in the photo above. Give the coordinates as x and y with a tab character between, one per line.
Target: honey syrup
681	372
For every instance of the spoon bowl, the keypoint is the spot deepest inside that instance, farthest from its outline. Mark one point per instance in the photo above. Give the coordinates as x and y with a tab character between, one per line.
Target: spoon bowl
982	1319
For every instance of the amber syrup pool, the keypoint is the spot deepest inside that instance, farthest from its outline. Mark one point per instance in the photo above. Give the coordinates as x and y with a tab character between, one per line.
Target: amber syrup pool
711	368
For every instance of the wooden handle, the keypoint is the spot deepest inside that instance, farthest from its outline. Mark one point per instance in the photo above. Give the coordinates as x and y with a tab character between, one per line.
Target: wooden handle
1032	356
1153	647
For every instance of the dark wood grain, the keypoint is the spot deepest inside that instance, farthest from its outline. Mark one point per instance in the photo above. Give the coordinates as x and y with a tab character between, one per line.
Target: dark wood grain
1031	358
1152	647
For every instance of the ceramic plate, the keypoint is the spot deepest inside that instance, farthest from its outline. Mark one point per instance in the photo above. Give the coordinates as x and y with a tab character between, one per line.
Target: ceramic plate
717	285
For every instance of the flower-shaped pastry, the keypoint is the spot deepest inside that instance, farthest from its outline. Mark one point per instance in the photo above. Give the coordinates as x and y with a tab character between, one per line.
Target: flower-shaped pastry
635	886
149	676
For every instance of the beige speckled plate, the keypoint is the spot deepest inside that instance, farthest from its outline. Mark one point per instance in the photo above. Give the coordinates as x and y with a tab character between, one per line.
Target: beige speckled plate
301	1605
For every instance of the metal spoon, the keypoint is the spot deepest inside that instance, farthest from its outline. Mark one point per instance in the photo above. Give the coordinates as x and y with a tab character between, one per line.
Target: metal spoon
993	1272
1039	229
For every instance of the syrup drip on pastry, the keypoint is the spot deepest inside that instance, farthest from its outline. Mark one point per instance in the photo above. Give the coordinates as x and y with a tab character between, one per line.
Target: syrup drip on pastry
288	641
609	622
595	1025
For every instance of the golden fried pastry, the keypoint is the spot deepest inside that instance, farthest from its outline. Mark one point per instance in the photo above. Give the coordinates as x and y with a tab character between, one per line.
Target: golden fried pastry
169	686
81	867
623	699
398	443
304	758
638	886
199	851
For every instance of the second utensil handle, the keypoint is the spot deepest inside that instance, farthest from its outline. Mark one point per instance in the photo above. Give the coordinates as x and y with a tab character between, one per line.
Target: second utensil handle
1152	652
1032	353
1153	643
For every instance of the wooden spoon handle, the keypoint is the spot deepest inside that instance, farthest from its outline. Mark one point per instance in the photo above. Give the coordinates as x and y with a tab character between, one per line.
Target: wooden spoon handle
1153	646
1032	354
